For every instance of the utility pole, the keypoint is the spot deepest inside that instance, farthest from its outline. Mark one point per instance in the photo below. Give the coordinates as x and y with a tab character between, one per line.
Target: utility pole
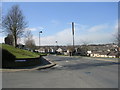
73	33
73	37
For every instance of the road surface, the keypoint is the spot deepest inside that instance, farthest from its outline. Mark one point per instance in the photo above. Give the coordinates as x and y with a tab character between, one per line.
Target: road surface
70	72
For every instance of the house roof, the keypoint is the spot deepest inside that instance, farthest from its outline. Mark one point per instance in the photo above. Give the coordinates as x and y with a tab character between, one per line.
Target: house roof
100	52
113	54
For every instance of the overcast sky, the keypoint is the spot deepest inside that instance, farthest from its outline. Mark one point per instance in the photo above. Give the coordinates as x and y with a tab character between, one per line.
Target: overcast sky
95	22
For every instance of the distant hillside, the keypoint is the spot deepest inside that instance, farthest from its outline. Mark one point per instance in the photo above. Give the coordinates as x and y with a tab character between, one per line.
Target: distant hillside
19	53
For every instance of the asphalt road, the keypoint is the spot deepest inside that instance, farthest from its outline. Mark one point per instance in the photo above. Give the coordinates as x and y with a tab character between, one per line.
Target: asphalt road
70	72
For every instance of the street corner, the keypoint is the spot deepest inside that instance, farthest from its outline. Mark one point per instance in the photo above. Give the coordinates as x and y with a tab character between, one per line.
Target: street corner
46	66
36	68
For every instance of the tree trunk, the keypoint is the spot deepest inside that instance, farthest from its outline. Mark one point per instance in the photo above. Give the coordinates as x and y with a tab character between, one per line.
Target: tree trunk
14	41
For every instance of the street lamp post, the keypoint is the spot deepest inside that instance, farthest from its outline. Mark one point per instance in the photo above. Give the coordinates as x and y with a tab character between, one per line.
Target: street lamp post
56	43
56	46
39	38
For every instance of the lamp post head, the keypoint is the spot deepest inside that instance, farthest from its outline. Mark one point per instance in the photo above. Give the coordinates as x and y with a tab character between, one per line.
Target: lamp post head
55	41
40	32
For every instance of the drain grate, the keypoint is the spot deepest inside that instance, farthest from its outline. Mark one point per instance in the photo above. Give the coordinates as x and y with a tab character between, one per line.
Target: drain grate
87	72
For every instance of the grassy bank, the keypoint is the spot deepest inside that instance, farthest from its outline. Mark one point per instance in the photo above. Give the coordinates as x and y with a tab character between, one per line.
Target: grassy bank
19	53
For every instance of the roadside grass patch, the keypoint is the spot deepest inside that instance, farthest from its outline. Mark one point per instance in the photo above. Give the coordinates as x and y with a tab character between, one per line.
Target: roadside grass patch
19	53
10	54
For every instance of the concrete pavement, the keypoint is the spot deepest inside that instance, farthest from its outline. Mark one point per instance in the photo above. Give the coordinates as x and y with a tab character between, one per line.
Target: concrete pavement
70	72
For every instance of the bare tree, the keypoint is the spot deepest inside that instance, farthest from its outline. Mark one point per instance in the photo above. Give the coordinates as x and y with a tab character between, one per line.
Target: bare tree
28	35
71	50
84	47
14	23
118	38
1	19
29	42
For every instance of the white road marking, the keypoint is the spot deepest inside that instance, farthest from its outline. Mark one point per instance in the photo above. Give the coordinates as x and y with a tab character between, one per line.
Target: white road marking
66	61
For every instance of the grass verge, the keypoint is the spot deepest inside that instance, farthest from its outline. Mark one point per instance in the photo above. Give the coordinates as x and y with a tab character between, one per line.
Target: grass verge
19	53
